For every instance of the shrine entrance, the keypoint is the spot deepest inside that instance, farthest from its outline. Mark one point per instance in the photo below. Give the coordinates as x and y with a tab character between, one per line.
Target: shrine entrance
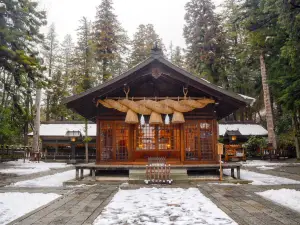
157	141
190	142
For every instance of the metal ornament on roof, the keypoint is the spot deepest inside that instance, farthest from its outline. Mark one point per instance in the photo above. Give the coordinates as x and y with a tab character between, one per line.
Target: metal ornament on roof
155	108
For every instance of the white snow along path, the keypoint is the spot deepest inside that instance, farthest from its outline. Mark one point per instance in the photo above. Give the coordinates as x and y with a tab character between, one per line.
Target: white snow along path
21	168
162	206
55	180
289	198
15	204
262	179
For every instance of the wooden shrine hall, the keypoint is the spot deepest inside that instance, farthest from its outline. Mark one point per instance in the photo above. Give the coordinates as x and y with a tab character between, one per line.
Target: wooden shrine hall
156	109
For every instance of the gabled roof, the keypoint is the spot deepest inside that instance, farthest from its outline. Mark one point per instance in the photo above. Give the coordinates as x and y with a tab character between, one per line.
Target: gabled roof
232	133
82	103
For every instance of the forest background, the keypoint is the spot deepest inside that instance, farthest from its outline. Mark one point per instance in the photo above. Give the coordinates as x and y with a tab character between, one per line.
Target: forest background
251	47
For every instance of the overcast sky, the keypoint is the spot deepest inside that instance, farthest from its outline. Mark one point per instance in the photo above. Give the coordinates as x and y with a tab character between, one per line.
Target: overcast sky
167	16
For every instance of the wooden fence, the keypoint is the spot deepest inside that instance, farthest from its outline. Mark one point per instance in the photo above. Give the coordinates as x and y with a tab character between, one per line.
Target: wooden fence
12	152
157	171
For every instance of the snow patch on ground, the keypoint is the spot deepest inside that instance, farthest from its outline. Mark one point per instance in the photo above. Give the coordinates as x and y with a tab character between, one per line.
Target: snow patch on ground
149	206
265	168
225	184
255	163
15	204
289	198
21	168
262	179
55	180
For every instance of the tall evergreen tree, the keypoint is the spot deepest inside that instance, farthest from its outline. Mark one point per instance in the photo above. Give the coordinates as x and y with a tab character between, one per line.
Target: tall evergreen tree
50	56
20	63
260	21
202	34
142	43
110	39
177	57
85	53
67	55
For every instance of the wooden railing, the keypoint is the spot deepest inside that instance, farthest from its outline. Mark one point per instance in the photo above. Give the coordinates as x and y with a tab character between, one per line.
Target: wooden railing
157	171
12	152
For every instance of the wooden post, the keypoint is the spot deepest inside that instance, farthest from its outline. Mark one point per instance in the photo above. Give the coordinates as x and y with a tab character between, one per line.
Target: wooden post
77	174
114	142
238	171
81	173
232	172
98	143
221	170
94	174
220	152
182	146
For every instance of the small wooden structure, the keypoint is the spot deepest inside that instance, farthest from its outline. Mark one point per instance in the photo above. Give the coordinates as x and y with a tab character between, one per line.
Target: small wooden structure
158	171
156	109
233	147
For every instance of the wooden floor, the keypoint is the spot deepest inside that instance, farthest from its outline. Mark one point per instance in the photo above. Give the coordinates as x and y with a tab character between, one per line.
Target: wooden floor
190	166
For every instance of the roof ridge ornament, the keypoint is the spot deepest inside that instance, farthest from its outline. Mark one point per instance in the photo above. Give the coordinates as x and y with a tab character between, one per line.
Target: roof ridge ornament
156	50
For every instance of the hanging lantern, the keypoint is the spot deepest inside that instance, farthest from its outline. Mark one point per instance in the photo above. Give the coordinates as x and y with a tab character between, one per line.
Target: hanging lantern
178	118
142	121
167	120
131	117
155	118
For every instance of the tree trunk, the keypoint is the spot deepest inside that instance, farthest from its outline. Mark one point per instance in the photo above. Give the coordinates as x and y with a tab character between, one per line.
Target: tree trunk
296	126
267	102
36	131
48	107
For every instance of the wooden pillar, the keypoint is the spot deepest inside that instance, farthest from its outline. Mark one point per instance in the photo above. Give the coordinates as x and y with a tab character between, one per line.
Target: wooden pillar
232	172
238	172
77	173
215	139
182	145
98	142
114	140
199	140
56	147
81	173
94	174
131	143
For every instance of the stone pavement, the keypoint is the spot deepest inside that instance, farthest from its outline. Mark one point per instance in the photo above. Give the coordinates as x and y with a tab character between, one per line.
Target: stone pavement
287	171
245	207
83	204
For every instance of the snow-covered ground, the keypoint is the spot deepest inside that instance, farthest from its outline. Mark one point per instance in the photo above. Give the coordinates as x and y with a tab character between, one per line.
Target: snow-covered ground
225	184
21	168
55	180
262	179
265	168
266	163
149	206
15	204
287	197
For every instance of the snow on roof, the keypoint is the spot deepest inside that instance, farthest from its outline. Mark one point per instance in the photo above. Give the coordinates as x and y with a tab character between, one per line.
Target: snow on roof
245	129
252	100
61	129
